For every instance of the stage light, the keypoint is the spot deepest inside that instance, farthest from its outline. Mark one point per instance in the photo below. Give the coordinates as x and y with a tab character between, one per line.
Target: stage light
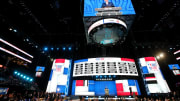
109	76
7	51
105	76
57	48
18	73
15	72
15	30
21	75
161	55
100	76
114	76
96	76
9	44
45	48
10	29
31	79
64	48
157	57
27	78
52	49
69	48
24	77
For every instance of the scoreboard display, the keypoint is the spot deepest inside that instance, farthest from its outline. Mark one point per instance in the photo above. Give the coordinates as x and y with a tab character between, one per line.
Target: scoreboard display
105	66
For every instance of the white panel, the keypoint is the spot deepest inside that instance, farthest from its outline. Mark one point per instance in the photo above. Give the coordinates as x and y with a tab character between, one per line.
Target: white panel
125	86
53	84
85	93
66	64
153	88
119	81
134	88
54	66
61	79
81	89
142	62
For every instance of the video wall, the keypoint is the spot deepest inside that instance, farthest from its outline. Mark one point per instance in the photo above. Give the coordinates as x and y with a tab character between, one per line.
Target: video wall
39	71
108	7
105	66
97	88
152	75
175	69
59	76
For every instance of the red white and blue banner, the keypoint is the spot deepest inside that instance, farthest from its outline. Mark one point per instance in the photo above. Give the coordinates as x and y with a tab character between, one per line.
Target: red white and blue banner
96	88
152	75
59	76
105	66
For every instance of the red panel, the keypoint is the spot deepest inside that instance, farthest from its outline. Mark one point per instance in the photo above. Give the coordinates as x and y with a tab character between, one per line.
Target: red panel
119	87
79	82
60	61
150	77
150	59
125	93
127	59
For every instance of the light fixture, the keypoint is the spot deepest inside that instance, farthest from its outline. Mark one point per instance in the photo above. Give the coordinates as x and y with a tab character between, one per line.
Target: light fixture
9	44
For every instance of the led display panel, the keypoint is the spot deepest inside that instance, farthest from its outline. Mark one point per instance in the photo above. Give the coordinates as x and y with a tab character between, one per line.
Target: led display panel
152	76
97	88
175	69
40	69
108	7
105	66
59	76
3	91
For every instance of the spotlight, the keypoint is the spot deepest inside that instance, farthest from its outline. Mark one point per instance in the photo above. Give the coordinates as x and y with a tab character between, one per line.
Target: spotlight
157	57
45	48
15	30
64	48
27	78
10	29
15	72
161	55
114	76
24	77
57	48
18	73
109	76
52	49
31	79
21	75
69	48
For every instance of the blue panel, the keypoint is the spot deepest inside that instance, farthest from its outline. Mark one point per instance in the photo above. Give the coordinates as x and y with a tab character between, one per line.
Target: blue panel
51	75
131	83
91	86
174	66
138	89
60	89
145	70
40	68
90	5
83	60
162	74
65	71
101	85
73	87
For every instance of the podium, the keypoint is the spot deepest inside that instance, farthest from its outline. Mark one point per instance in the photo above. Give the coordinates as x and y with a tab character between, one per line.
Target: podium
108	11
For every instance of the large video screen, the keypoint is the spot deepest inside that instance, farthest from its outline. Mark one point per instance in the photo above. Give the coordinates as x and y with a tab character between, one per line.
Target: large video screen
108	7
97	88
59	76
152	76
105	66
175	69
40	69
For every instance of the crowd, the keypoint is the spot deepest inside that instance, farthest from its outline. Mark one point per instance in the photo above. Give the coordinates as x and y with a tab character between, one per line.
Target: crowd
41	96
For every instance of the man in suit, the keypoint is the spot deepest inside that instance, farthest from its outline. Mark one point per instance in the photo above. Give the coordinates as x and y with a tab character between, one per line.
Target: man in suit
107	4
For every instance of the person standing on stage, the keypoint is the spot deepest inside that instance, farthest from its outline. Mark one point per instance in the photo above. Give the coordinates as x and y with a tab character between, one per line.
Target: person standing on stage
107	4
106	93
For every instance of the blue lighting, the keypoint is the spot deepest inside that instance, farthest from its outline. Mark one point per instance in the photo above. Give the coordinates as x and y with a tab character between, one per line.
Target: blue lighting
100	76
69	48
18	74
64	48
52	49
15	30
109	76
105	76
96	76
45	48
57	48
15	72
21	75
24	77
114	76
27	78
31	79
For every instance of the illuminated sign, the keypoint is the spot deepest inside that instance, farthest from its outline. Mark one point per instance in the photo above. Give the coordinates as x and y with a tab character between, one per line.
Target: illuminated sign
40	68
96	88
152	76
59	76
105	66
175	69
108	7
